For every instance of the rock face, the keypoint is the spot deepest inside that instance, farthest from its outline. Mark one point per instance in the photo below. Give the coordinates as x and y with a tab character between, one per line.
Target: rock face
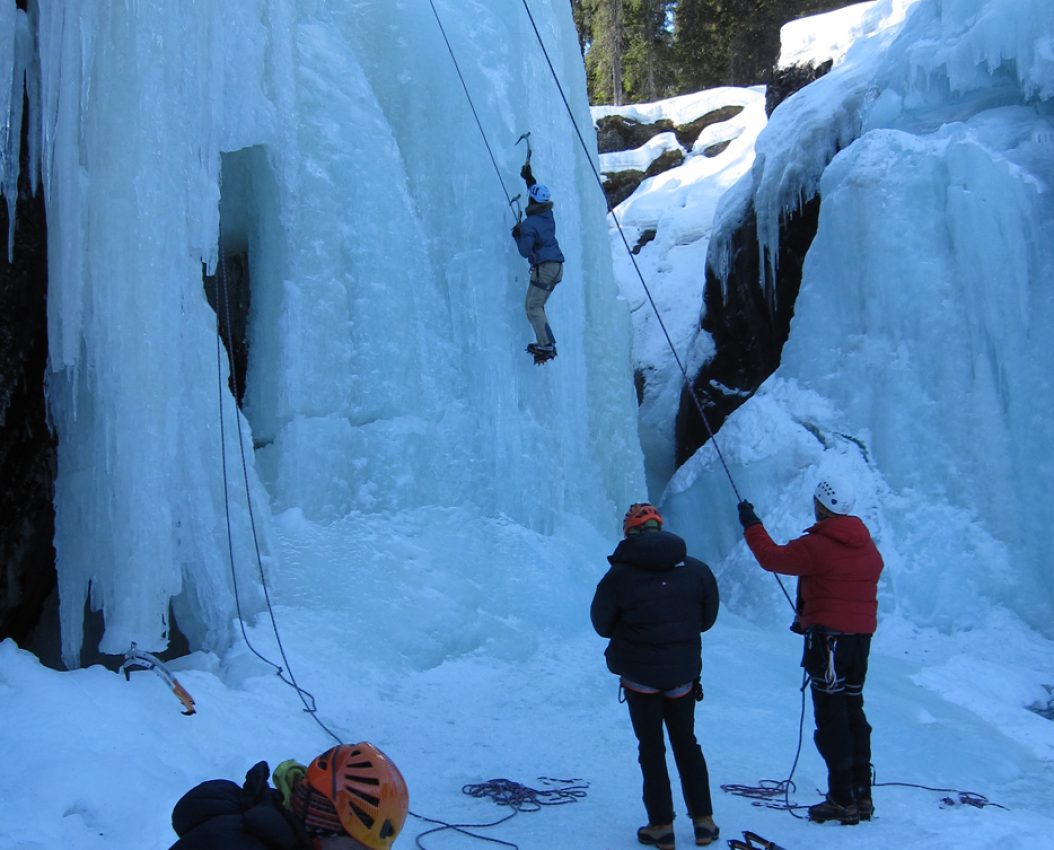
748	328
619	133
27	449
783	82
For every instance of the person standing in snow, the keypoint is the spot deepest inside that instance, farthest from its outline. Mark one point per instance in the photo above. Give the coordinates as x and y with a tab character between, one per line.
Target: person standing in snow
838	565
536	241
653	603
351	797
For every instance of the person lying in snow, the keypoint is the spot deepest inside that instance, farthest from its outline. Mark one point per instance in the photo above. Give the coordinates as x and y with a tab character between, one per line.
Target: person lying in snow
536	241
351	797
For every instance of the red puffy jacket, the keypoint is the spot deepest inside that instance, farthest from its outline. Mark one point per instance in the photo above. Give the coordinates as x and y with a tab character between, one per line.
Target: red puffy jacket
838	565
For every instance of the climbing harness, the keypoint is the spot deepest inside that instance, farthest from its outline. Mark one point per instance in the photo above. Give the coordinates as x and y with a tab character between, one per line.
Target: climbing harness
600	183
629	250
137	658
640	275
305	696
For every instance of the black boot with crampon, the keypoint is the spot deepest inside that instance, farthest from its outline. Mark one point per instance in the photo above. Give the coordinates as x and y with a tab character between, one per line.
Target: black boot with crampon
541	353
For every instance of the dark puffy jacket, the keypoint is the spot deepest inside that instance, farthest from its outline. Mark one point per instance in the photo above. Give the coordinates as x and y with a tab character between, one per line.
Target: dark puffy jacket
537	239
838	564
653	603
218	815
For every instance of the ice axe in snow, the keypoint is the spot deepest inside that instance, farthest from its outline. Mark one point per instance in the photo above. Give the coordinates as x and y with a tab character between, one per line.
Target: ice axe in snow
137	658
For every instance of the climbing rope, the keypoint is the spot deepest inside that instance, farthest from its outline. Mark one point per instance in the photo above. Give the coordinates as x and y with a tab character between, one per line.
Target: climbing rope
647	291
629	251
519	798
538	797
508	199
767	792
305	696
965	798
622	234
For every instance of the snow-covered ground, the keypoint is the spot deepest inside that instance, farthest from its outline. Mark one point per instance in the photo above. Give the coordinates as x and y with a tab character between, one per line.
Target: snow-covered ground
101	760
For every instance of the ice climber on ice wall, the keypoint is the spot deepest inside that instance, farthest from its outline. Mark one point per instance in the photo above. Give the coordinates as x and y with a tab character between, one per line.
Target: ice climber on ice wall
535	237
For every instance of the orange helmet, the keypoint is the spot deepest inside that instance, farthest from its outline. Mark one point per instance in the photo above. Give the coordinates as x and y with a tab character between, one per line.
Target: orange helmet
638	514
366	789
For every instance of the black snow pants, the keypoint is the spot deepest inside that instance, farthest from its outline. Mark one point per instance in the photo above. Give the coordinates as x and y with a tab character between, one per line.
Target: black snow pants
648	713
837	667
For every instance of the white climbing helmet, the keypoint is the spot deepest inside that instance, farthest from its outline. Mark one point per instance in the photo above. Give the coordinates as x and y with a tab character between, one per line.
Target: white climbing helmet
835	494
539	193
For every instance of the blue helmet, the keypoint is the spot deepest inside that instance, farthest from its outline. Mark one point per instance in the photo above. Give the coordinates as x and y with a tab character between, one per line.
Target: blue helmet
539	193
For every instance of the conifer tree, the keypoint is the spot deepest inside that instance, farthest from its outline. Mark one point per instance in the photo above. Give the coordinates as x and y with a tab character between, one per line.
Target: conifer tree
605	47
647	63
643	50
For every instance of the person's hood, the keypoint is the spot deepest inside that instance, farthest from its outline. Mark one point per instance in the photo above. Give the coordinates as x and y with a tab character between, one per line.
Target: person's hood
534	208
651	550
848	530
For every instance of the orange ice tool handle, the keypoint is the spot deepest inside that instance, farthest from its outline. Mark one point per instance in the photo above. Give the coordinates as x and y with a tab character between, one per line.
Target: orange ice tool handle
137	658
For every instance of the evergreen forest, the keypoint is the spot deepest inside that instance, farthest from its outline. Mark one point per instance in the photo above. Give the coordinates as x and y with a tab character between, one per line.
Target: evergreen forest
640	51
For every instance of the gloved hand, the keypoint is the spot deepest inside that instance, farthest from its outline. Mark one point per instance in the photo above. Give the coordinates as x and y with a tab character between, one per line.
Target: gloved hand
515	231
526	174
747	517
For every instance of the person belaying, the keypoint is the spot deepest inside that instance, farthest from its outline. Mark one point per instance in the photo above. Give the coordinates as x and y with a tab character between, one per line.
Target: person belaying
535	237
653	603
351	797
838	565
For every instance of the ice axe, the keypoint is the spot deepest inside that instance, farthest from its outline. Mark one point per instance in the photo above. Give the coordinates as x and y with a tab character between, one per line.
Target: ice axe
519	210
136	658
526	137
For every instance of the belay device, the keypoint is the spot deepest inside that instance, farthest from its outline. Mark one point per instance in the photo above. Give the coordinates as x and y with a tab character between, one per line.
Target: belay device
137	658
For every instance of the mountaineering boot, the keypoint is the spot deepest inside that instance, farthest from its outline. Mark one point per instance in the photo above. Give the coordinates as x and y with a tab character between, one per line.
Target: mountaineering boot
862	780
706	831
541	353
660	836
830	810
